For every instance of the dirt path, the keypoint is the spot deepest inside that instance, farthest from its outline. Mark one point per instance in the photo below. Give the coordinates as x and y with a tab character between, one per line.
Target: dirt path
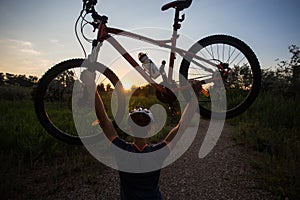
224	174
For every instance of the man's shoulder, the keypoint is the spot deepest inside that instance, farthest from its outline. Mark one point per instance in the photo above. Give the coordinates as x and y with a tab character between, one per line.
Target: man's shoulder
119	142
158	146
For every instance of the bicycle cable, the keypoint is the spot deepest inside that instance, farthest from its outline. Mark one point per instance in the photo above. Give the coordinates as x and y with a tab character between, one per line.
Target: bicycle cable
76	33
82	25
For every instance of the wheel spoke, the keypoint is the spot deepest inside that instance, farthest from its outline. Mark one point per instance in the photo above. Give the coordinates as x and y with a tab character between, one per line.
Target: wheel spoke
239	84
235	58
223	52
238	63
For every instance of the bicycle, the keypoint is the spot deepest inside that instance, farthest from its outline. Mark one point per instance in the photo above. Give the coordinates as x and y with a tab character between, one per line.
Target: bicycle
225	55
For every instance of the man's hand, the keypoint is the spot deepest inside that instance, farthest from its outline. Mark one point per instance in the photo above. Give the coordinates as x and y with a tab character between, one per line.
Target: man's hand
89	87
88	78
186	115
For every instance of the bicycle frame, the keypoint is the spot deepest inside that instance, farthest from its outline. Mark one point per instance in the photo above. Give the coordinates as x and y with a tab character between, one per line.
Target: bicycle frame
104	34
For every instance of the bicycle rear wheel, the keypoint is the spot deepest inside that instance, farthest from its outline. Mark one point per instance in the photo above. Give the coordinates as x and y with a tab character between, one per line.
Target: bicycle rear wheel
237	66
55	93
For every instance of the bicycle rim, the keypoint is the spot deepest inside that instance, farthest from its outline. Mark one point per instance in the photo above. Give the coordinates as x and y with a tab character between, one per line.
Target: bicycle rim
54	100
242	81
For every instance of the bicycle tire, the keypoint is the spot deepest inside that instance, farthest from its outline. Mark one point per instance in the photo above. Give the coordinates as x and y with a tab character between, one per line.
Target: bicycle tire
249	55
40	92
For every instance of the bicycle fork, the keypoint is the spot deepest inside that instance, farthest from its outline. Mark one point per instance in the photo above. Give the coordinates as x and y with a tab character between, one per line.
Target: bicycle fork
93	57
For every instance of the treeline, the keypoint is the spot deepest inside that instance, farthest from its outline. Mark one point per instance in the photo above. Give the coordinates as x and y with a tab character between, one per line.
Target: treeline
284	79
16	87
18	80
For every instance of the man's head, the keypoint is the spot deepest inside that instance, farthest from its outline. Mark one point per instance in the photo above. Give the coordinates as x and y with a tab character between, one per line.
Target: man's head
140	121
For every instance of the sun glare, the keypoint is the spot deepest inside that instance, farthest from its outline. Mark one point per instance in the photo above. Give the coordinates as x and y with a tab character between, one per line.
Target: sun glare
127	85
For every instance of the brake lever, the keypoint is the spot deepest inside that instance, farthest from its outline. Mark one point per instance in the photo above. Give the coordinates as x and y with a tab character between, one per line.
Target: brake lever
95	25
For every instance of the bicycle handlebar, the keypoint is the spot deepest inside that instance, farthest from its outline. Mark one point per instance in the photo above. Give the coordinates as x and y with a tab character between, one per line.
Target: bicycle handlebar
89	7
90	3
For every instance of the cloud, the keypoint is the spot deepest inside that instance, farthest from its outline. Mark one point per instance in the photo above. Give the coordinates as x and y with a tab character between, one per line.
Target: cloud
56	42
18	56
30	51
20	43
20	46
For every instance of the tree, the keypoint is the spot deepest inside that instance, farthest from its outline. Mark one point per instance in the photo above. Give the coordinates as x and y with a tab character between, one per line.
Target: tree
108	87
19	80
2	79
101	87
33	79
61	87
283	78
295	59
10	78
240	77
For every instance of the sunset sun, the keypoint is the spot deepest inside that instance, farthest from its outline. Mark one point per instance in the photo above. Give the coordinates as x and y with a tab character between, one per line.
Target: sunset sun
127	85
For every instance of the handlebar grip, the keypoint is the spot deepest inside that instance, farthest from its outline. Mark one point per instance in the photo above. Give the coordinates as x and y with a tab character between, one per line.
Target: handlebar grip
94	2
90	4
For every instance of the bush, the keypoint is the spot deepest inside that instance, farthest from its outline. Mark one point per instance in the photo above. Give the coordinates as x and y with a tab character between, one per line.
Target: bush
284	78
9	92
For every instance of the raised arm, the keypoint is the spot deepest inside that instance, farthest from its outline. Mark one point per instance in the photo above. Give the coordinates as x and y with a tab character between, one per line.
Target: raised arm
105	122
186	116
88	79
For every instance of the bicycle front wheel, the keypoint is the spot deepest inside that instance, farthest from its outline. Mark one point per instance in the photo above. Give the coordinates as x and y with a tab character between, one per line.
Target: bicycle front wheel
55	95
238	69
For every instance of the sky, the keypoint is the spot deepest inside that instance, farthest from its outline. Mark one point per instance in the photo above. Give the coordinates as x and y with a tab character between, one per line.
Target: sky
36	34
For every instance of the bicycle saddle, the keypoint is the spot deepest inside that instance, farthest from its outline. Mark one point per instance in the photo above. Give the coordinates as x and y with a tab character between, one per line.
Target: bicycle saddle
179	4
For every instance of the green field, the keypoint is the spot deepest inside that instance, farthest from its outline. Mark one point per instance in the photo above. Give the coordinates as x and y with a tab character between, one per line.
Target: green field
23	140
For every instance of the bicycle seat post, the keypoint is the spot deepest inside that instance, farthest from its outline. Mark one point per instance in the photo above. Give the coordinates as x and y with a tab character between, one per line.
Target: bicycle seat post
176	27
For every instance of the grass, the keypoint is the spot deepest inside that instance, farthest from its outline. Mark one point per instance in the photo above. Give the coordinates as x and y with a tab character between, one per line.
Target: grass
22	134
10	92
272	128
24	144
61	115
